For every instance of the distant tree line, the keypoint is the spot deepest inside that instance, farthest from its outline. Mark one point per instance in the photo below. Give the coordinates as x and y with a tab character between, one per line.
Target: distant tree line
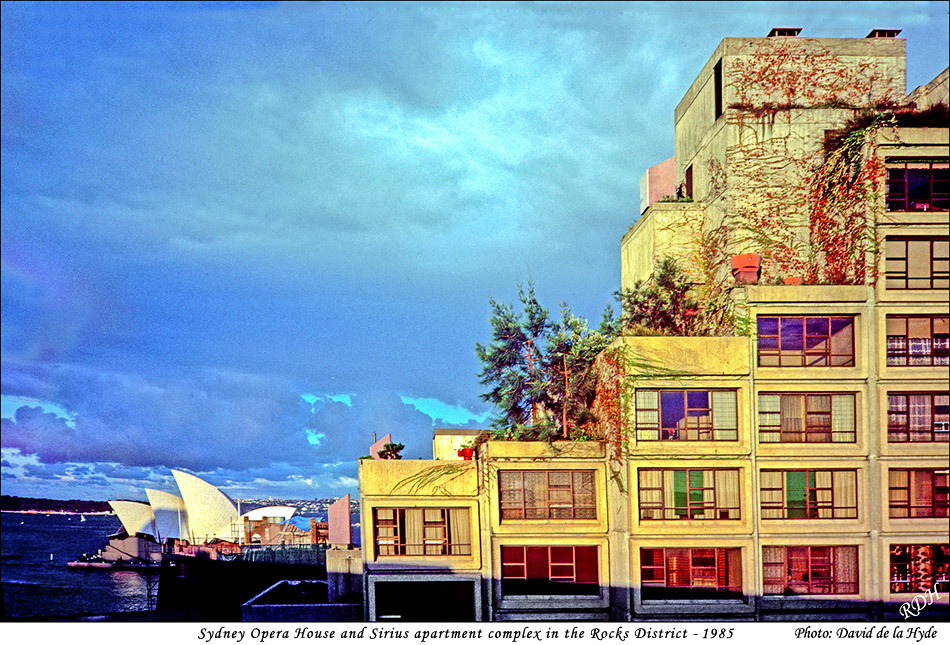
13	503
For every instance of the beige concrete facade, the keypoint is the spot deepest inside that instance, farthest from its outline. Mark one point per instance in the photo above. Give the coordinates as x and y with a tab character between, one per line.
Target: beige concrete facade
786	502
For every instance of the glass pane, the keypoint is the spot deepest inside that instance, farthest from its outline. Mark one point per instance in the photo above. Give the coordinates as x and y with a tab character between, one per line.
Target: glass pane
767	326
792	334
896	326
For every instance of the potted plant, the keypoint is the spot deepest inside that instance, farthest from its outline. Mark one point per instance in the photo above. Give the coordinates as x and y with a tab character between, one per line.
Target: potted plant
466	451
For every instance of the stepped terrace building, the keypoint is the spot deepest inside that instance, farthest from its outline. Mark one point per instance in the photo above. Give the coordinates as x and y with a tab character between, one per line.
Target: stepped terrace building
790	463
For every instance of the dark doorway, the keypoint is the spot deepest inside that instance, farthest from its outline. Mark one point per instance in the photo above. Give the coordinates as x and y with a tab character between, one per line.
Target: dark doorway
426	602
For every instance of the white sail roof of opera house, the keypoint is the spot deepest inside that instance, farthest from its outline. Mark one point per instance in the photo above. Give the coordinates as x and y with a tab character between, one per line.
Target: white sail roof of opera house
171	518
282	512
136	517
211	513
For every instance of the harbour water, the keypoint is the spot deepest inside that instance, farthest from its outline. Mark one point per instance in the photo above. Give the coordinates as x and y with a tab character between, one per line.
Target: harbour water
37	584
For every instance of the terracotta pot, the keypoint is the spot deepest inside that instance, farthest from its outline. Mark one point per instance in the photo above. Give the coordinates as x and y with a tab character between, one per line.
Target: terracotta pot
793	280
746	262
466	453
745	268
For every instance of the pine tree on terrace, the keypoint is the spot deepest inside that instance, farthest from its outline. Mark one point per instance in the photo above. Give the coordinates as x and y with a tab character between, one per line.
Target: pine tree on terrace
511	364
569	383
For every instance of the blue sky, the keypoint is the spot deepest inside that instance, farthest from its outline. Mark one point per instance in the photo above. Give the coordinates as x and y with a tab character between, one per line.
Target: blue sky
240	239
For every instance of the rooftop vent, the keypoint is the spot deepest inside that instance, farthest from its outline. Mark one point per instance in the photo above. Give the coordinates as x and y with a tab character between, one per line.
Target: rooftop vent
785	31
883	33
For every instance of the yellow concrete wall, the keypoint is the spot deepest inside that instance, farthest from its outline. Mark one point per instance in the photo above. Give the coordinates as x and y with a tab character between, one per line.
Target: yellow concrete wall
446	443
664	230
668	357
417	478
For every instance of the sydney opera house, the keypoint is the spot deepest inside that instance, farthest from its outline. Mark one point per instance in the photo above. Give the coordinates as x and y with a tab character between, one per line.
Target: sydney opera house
201	515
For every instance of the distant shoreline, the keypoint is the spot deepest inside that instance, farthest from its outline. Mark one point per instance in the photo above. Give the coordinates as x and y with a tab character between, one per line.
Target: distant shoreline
35	512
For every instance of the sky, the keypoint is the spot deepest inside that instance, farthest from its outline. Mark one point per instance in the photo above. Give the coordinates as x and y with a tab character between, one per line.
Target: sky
240	239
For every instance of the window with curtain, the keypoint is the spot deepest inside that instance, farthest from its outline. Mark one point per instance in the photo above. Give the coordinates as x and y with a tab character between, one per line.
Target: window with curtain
917	184
690	573
422	531
916	568
805	341
918	341
689	494
806	418
808	494
547	494
549	571
686	415
918	492
917	263
918	417
809	570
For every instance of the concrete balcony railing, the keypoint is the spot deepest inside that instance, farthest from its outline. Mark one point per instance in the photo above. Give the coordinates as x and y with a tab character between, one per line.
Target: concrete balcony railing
660	357
805	293
541	449
409	477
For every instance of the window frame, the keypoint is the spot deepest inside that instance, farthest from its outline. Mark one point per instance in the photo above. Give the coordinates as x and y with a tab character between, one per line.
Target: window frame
551	503
894	429
698	432
809	358
699	507
900	497
557	582
901	582
936	278
899	354
817	585
809	428
813	505
395	536
897	198
650	584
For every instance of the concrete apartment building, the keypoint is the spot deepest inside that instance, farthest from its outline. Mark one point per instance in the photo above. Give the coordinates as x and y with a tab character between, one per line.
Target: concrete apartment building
794	467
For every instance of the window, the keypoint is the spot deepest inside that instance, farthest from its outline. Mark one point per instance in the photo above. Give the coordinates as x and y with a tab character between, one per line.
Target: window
917	263
917	568
918	493
918	185
813	341
923	417
547	494
809	494
717	84
806	418
549	571
918	340
688	191
689	494
686	415
422	531
690	574
825	570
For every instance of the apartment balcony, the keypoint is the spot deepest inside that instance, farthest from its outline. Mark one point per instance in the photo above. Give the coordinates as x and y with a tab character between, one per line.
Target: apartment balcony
676	357
567	450
417	478
805	293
